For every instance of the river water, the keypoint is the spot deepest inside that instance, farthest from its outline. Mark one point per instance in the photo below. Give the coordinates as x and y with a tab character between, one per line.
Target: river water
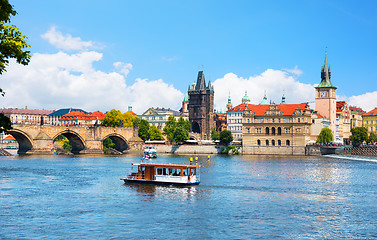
240	197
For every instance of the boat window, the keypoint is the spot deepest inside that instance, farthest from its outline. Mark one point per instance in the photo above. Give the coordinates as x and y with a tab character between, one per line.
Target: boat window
177	172
184	172
192	171
159	171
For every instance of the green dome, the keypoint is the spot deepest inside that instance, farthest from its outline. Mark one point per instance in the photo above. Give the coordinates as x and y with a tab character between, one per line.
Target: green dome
245	98
186	98
264	101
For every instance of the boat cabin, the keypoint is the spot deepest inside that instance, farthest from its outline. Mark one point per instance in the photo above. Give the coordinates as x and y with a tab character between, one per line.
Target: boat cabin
165	173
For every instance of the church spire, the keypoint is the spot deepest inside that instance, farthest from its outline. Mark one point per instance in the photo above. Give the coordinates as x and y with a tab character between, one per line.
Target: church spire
200	82
229	105
325	74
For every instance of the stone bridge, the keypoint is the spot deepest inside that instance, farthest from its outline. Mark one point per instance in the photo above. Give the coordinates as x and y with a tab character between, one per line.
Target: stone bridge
38	139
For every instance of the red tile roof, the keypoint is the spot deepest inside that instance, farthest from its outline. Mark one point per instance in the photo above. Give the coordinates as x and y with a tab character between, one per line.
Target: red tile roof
371	113
340	104
133	114
356	109
9	138
82	116
260	110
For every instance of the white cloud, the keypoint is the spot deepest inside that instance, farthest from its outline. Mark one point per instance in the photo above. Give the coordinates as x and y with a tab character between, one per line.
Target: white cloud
273	82
294	71
66	42
61	80
123	67
367	101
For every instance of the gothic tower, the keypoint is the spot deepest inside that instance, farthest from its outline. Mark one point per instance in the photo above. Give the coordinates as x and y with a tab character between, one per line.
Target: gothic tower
201	107
325	97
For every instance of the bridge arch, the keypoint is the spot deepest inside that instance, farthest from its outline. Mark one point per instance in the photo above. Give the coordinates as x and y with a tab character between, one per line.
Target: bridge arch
25	142
121	144
76	141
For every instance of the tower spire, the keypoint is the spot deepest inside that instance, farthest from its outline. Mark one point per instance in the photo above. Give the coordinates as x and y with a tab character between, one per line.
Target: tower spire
325	74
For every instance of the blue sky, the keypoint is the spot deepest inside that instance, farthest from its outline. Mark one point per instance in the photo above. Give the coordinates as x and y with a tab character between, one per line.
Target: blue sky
253	46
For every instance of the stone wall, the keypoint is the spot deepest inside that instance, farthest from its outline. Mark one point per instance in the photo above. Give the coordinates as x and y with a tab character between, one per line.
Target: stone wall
273	150
189	149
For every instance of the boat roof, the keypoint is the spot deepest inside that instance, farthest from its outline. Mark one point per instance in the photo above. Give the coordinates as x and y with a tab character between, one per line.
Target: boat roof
169	165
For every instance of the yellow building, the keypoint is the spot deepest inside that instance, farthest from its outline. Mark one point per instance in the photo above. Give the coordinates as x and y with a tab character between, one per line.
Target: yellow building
370	121
276	129
356	117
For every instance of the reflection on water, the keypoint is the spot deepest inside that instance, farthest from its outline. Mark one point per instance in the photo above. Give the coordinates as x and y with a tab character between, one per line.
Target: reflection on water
240	197
151	192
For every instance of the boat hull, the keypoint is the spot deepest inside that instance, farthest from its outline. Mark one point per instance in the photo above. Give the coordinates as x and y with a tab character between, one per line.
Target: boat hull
158	182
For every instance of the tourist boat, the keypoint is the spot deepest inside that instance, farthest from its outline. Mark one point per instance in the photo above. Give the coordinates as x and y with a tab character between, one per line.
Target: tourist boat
150	150
162	173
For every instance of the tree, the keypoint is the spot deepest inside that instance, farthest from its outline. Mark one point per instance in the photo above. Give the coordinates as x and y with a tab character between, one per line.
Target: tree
372	138
226	137
154	133
144	129
169	128
180	134
108	143
12	45
67	145
113	118
359	135
177	131
325	136
215	135
128	119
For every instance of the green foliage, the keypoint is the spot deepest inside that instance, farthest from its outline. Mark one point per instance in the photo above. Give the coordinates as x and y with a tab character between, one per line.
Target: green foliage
177	131
108	143
60	137
180	134
325	136
144	130
12	45
115	118
372	138
235	149
154	133
5	123
359	135
169	128
215	135
12	42
226	137
67	145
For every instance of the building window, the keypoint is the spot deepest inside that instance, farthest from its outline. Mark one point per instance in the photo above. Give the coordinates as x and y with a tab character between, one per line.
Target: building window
248	130
248	120
258	142
287	143
273	142
287	130
298	119
367	121
279	142
273	131
258	130
267	143
279	130
371	121
267	131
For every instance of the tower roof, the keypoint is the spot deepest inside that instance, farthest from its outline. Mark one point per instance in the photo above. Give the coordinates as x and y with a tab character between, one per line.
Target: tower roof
200	82
245	98
325	75
264	101
186	98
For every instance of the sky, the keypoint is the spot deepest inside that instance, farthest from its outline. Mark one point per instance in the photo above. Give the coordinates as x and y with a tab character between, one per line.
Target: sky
103	55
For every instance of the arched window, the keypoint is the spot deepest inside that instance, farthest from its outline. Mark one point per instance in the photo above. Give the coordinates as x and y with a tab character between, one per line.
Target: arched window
273	142
273	131
287	143
279	130
258	142
279	142
267	131
267	143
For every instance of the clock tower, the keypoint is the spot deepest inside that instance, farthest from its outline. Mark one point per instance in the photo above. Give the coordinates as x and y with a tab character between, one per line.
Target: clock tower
325	97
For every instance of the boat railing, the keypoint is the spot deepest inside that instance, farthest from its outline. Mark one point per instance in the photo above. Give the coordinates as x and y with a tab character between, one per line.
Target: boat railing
135	176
